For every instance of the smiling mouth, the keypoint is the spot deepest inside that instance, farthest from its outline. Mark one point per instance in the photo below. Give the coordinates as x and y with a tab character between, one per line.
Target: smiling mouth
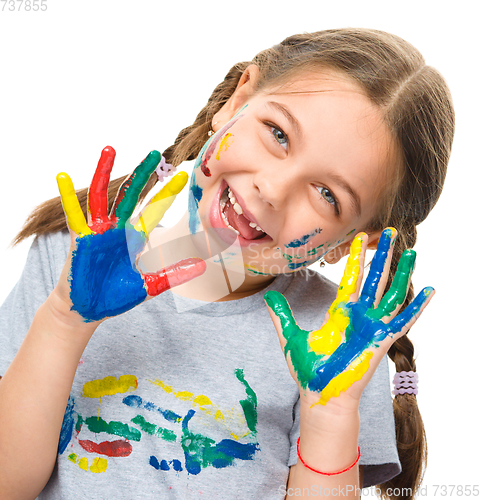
235	219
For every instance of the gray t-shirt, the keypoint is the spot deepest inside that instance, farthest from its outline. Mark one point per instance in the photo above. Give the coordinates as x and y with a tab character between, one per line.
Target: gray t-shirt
197	404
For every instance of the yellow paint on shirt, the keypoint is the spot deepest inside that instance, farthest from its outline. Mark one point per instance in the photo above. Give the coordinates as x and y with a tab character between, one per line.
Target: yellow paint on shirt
224	144
109	386
99	465
185	396
202	400
83	463
204	403
326	340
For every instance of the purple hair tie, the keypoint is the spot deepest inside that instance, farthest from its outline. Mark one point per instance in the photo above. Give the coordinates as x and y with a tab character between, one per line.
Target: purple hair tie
164	169
405	383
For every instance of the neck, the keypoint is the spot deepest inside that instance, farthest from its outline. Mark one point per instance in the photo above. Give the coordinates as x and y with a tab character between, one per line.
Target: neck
225	277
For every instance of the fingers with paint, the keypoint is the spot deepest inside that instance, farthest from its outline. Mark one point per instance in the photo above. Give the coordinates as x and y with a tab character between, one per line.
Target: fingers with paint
104	280
329	360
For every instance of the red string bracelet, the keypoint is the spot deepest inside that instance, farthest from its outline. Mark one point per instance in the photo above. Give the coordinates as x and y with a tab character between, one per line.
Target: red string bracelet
327	473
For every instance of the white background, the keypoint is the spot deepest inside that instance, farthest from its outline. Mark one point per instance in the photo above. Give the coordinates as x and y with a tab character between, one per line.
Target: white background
87	74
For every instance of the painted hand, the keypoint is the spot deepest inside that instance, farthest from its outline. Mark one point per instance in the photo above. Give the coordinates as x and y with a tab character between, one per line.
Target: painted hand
104	280
358	331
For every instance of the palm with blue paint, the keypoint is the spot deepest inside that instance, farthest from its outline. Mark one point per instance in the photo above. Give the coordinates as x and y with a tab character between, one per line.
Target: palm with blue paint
103	277
358	330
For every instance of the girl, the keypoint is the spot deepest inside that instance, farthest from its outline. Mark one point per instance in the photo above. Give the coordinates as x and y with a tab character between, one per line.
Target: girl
312	148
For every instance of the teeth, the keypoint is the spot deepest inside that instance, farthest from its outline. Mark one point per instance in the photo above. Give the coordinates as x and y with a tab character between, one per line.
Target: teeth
234	203
224	218
253	224
238	210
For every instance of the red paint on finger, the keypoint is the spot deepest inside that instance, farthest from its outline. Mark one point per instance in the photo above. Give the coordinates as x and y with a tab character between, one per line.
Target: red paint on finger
174	275
98	200
120	448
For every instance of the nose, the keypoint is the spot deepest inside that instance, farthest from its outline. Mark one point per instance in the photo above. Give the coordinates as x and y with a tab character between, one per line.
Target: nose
274	188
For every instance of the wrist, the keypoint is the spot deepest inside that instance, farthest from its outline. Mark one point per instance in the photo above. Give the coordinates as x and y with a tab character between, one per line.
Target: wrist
329	439
62	320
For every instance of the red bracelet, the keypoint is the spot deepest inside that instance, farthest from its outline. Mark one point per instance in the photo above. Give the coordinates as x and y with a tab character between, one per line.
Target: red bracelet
327	473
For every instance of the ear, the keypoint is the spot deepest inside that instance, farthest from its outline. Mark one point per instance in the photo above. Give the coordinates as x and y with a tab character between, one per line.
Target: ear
246	87
336	254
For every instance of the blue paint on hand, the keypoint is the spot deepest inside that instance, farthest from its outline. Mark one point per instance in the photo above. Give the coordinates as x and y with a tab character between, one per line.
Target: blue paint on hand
104	282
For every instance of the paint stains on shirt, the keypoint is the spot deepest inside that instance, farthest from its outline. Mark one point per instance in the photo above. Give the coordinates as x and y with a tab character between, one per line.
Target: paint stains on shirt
110	386
197	450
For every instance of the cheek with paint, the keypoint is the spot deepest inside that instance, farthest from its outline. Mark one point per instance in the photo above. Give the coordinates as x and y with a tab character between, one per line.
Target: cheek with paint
220	139
303	251
195	195
331	359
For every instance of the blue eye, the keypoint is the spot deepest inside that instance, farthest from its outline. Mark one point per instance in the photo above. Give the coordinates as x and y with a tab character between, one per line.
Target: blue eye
329	197
279	136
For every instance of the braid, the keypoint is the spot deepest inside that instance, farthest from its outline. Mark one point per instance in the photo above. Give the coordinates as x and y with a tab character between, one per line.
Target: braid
410	434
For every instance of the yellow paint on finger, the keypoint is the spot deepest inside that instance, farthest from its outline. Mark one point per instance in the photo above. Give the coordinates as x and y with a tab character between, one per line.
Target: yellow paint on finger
226	141
328	338
160	203
344	380
71	206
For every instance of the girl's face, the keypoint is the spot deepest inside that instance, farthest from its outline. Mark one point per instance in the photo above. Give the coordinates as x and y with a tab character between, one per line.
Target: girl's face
296	171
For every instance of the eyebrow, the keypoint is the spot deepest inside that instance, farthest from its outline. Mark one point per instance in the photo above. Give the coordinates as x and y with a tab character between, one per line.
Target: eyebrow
355	200
285	111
